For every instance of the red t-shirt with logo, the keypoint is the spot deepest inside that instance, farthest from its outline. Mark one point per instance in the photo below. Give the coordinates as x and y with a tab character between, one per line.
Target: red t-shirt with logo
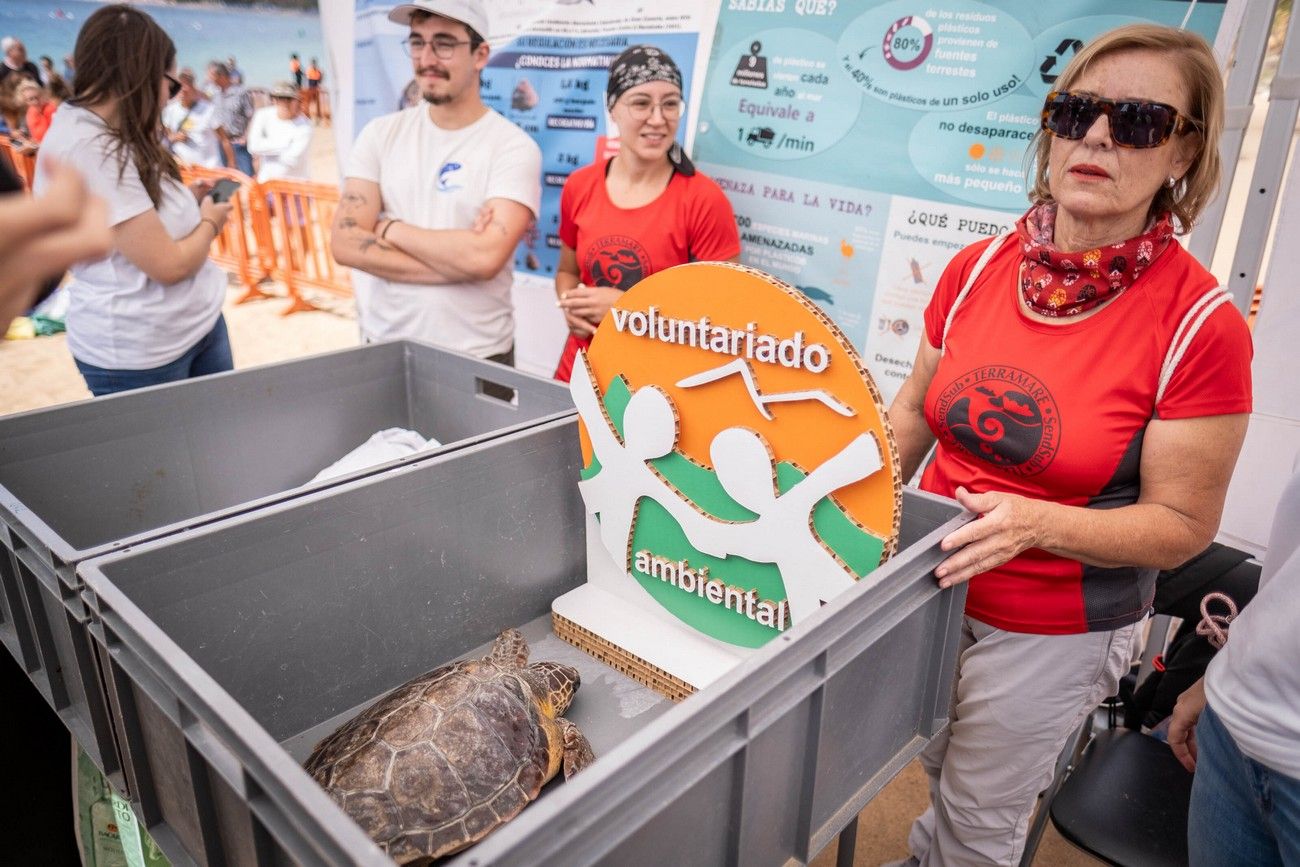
1058	412
691	221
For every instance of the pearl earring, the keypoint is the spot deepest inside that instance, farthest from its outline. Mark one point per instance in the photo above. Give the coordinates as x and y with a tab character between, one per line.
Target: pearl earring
1172	182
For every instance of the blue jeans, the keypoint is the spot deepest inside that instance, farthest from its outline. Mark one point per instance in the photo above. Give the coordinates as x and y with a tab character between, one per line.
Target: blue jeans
1242	812
243	159
210	355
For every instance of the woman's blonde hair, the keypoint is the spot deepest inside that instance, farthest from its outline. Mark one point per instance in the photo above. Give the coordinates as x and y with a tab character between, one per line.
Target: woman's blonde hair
1200	73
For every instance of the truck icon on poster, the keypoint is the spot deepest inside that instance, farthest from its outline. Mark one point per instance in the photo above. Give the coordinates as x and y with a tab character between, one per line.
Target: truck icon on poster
763	135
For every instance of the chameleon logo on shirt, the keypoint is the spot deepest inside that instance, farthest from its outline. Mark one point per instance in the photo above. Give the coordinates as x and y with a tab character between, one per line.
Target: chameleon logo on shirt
446	184
1001	415
617	261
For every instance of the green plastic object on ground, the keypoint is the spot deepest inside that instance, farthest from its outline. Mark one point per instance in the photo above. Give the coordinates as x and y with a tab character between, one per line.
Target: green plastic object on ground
108	833
44	326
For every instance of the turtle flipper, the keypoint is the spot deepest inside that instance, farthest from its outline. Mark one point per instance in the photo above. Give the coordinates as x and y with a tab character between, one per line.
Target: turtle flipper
510	650
577	751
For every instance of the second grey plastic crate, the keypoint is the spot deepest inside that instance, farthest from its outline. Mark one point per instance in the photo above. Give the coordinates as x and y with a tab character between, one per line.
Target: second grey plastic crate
79	480
233	648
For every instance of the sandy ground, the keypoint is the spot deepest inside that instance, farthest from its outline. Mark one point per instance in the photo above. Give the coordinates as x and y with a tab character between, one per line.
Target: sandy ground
40	373
883	827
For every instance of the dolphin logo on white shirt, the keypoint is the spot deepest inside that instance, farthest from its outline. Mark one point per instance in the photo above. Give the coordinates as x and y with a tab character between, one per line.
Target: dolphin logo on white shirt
445	183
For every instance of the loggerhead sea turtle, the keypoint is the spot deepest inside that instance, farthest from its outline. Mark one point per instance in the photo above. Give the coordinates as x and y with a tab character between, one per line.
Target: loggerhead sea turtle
444	759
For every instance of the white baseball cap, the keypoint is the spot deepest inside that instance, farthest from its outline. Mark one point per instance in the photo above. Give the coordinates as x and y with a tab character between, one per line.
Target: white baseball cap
467	12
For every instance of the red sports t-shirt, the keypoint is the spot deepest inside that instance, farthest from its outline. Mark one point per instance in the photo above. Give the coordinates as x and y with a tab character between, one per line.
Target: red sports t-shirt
39	120
691	221
1058	412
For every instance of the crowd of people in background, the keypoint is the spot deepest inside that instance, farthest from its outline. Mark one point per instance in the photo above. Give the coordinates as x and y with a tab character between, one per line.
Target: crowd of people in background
29	95
208	123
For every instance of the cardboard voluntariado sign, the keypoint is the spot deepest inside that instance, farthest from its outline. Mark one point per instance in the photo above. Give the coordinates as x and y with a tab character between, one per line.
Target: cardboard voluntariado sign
738	465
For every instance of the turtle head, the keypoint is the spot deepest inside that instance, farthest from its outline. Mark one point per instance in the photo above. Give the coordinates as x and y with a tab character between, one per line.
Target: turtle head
557	684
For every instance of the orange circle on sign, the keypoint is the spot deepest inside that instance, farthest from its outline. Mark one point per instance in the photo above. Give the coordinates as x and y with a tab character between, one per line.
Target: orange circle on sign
976	151
804	432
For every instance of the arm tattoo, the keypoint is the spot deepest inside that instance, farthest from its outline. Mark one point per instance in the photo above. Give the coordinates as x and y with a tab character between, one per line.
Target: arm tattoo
351	202
375	242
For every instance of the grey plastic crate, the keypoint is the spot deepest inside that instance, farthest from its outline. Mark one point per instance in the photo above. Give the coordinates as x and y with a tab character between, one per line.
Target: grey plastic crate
80	480
232	649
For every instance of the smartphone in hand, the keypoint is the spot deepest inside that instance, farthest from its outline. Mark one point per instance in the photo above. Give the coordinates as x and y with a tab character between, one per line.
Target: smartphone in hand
223	190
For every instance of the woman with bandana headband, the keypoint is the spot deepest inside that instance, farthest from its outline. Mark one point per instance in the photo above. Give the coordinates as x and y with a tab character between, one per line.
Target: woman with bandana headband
643	210
1088	384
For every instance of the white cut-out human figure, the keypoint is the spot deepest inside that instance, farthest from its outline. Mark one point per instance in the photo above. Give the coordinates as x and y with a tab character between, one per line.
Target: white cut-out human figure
782	533
649	432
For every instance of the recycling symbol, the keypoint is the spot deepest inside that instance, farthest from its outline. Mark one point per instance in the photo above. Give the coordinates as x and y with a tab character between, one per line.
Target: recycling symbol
1049	69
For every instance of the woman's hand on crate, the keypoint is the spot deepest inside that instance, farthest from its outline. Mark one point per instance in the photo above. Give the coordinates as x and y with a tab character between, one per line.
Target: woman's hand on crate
1008	524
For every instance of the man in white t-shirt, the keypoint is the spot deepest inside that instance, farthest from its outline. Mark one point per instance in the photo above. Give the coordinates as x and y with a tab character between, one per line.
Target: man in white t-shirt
280	135
1245	806
190	123
426	266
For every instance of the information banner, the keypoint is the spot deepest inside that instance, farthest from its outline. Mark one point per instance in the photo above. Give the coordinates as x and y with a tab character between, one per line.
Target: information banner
553	87
862	144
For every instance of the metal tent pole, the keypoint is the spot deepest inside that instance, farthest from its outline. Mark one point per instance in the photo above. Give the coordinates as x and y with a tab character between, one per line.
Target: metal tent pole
1243	74
1266	182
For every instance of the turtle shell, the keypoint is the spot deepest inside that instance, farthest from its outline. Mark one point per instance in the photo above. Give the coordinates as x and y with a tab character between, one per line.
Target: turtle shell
439	762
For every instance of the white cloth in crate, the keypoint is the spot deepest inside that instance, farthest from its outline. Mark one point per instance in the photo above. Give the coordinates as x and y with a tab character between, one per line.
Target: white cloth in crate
387	445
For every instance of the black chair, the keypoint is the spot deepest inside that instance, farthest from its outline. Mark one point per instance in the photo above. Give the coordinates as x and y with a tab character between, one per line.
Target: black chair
1125	798
1126	802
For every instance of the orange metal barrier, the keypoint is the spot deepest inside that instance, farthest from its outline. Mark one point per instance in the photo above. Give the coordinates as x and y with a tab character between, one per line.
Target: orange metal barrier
237	246
278	229
24	163
301	213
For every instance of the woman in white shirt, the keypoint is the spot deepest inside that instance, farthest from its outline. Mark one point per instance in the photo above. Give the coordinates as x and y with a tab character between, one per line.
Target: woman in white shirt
150	311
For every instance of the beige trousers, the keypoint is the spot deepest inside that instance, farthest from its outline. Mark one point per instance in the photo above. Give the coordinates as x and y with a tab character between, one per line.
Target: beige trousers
1017	700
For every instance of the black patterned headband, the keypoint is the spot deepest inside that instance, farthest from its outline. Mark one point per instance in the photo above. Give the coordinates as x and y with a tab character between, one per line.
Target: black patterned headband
637	65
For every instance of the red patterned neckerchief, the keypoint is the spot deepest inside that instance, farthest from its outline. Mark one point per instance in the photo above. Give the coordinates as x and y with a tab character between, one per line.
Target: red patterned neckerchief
1067	284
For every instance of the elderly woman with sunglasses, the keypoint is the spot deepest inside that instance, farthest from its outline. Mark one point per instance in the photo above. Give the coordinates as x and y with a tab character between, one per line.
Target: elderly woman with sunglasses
641	211
1088	385
150	311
